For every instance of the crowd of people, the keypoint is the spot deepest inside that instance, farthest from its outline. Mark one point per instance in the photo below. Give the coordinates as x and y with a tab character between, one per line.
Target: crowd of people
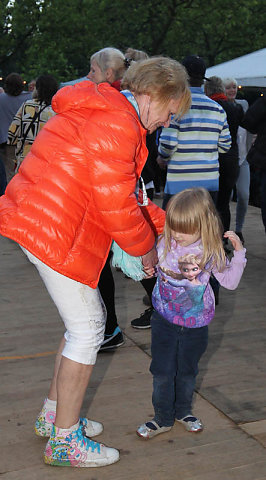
80	164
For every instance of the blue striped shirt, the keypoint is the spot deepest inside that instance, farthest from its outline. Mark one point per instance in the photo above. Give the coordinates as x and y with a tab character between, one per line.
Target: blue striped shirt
191	145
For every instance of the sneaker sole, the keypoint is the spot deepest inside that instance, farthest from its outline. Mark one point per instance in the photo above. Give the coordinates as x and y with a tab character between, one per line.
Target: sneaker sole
141	328
67	463
112	347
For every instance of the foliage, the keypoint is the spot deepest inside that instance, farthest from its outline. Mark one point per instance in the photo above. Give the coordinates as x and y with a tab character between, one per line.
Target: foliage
58	37
18	23
222	30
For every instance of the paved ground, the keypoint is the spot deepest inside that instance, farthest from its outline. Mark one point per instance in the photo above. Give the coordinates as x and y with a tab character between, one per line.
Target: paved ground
231	384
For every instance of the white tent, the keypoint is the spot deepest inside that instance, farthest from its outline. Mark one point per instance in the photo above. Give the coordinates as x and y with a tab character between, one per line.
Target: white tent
249	70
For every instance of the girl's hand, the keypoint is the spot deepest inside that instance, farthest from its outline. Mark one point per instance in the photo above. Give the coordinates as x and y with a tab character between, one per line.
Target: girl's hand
234	239
149	261
149	272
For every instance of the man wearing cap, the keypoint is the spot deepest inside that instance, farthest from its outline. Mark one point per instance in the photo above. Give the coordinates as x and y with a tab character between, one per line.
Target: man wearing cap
189	147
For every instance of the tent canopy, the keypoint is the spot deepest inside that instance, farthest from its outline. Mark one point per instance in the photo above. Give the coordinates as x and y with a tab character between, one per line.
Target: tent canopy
249	70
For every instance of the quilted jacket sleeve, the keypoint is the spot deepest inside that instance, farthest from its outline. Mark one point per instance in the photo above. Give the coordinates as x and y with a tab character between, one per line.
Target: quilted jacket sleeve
116	158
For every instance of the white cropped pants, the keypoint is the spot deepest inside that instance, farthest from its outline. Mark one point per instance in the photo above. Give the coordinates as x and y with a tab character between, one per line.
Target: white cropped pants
81	309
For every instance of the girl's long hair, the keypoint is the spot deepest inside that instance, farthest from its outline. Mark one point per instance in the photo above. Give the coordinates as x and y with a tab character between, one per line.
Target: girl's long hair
193	211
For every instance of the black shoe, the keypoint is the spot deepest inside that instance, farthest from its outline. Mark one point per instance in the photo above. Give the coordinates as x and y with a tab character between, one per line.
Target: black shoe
239	234
144	321
116	339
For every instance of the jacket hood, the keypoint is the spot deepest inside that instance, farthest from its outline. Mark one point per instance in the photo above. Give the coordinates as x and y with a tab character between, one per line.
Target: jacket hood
89	95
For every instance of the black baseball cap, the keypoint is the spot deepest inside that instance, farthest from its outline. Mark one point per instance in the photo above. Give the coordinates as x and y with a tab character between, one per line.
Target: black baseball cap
195	66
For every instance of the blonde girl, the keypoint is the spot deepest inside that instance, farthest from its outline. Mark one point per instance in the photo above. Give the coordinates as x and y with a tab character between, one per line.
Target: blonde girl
182	310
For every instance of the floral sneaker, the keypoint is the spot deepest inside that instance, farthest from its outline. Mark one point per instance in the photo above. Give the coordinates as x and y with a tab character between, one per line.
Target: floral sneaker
72	448
46	418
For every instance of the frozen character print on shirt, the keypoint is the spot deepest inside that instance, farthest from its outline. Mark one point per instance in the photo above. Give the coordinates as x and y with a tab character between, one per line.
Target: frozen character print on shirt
182	291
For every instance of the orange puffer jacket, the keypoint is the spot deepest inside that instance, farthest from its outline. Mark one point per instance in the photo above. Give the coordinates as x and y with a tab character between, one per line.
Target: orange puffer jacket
74	192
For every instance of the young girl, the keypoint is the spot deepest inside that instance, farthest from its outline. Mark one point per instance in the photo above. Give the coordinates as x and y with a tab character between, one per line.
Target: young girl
183	309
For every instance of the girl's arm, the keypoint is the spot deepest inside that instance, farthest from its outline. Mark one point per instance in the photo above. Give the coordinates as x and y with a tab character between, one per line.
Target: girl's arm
235	240
232	273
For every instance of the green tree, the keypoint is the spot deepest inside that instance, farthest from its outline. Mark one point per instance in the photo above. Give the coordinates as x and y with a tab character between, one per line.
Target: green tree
138	24
58	36
18	24
220	30
60	44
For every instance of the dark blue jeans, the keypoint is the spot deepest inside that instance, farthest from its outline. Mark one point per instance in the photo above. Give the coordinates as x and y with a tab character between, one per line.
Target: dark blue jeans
176	352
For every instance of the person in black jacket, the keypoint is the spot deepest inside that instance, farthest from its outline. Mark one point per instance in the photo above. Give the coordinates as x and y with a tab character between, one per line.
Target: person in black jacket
228	162
255	122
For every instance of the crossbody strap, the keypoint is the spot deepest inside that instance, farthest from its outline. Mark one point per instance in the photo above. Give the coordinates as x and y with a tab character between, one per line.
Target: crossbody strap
35	117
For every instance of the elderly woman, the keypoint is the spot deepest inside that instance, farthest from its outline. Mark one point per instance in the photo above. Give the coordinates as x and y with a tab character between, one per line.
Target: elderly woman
73	195
108	65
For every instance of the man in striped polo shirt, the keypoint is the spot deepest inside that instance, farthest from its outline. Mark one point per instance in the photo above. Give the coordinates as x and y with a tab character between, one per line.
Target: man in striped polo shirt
190	146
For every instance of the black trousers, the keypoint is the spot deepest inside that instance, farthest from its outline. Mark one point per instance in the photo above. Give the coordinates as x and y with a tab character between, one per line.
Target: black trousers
107	289
229	170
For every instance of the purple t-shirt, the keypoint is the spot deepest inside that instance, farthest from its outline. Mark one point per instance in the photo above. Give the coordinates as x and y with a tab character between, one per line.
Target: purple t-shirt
180	301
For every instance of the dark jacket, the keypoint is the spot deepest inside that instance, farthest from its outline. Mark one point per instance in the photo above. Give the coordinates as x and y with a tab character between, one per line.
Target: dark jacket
234	113
255	122
148	172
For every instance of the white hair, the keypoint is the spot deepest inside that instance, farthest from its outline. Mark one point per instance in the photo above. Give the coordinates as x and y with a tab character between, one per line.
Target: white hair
110	57
227	81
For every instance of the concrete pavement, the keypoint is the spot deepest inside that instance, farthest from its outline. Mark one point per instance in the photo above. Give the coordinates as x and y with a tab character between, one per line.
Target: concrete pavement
231	398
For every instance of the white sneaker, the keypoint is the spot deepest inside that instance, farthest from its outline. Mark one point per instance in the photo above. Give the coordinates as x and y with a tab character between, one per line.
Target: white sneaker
71	448
46	418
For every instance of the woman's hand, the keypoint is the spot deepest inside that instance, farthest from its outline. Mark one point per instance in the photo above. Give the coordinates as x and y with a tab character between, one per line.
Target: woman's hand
234	239
149	261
